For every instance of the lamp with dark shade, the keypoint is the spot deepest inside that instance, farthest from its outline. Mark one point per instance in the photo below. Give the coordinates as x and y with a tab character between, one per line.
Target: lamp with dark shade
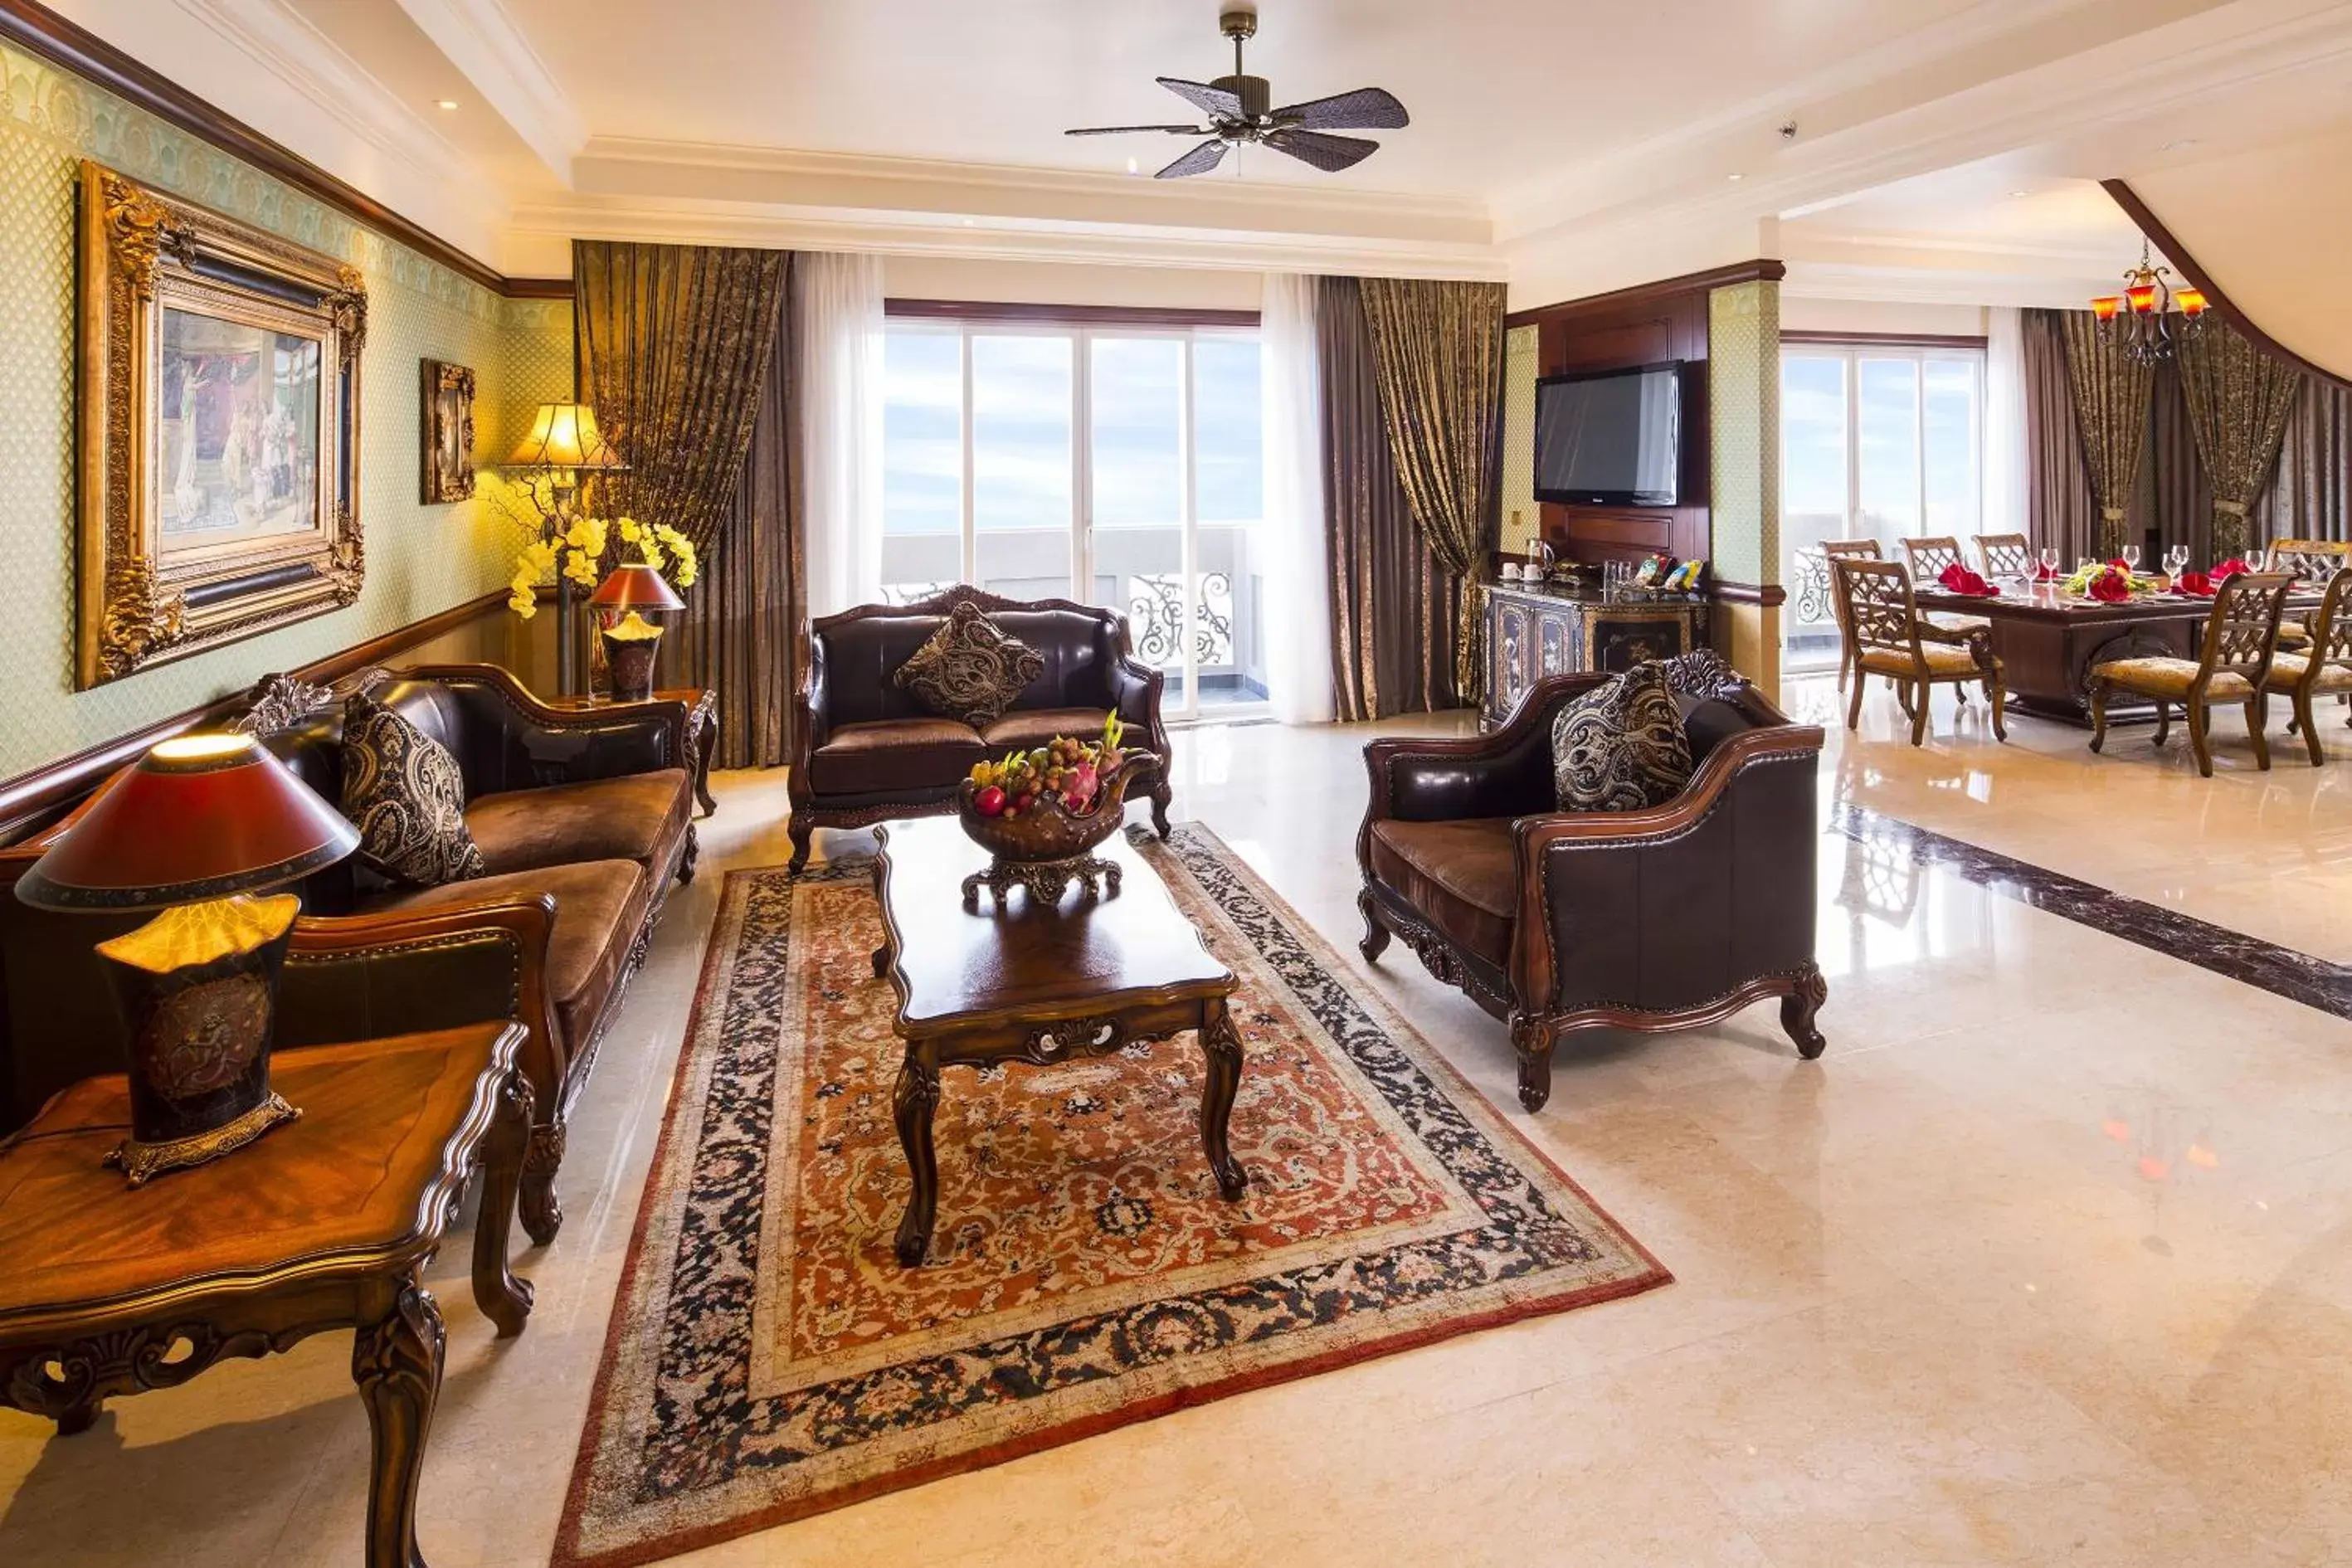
196	828
632	643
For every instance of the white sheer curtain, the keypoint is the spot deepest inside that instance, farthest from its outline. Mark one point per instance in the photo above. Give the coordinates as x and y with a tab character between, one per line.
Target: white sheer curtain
2004	451
837	336
1298	623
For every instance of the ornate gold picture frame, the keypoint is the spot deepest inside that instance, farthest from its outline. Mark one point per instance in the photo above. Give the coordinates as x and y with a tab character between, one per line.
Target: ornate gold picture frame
448	432
219	409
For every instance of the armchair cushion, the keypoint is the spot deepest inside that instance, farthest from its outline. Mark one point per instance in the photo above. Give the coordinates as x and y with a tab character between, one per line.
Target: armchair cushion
2175	677
971	669
403	790
1028	727
1942	659
634	817
1621	746
885	755
1460	875
599	906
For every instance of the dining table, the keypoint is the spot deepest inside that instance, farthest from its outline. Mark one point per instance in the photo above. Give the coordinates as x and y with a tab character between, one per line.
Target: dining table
2048	641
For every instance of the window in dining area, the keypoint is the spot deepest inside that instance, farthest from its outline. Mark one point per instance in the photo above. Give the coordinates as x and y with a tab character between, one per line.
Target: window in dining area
1878	441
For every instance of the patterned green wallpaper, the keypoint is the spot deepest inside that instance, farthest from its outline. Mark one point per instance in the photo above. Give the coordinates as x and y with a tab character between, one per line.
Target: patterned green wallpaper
1519	369
1744	419
420	559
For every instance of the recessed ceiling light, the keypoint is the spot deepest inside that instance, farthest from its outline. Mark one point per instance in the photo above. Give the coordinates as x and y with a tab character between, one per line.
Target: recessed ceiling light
1734	176
2176	143
445	103
971	222
1130	166
2020	193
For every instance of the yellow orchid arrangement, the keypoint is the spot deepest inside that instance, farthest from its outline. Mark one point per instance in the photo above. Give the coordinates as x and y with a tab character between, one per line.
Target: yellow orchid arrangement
578	554
658	544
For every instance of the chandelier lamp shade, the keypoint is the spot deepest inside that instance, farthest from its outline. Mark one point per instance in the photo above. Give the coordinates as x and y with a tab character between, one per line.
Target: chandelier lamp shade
200	831
2152	316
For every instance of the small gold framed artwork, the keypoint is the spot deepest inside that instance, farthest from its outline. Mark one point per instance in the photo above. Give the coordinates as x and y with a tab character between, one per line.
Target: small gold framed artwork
218	401
448	432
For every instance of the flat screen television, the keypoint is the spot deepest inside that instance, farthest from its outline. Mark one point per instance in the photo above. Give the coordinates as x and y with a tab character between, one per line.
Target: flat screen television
1611	437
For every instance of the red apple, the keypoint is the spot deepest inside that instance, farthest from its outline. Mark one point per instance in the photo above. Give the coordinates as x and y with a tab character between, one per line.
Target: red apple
989	802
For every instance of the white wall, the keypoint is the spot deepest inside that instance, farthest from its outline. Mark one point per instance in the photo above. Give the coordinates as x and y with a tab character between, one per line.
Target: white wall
1801	314
1063	283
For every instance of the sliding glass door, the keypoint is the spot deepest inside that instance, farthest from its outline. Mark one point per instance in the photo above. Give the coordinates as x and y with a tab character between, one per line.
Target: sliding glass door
1117	466
1877	442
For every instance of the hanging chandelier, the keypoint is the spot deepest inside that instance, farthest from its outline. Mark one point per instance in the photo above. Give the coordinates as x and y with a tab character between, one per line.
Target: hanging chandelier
2150	317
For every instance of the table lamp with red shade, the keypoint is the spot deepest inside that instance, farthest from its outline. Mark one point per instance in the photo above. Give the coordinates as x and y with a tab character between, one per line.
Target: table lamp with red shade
197	830
632	642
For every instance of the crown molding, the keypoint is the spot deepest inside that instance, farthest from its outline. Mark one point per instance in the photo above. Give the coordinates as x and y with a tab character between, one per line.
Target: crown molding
483	42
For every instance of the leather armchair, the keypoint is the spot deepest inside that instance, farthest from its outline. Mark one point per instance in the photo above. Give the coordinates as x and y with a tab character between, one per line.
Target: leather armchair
1670	918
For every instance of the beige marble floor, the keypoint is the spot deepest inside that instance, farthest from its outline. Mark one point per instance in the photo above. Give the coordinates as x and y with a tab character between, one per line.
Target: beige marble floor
1931	1307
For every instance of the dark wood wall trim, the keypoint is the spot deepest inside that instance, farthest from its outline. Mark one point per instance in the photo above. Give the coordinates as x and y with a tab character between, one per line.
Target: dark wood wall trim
2178	254
37	29
31	800
1760	270
1889	339
1067	315
1772	596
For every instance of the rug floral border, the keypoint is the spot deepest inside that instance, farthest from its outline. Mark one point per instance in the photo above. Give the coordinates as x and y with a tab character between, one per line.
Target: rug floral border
1319	982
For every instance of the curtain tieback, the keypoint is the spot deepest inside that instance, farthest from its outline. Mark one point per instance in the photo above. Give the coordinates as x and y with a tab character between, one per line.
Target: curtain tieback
2234	508
2112	513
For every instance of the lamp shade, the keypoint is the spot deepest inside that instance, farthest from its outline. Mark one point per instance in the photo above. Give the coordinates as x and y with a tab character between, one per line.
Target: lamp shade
199	816
565	435
635	586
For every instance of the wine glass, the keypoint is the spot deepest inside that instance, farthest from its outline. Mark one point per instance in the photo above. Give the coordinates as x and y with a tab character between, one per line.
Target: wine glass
2131	557
2050	560
2176	560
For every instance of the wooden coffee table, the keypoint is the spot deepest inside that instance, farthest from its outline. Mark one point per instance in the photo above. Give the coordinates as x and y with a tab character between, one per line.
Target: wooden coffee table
324	1224
1031	983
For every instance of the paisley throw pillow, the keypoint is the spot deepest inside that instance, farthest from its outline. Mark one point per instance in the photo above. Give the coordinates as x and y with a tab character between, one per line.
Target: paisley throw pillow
403	790
971	669
1621	746
1702	672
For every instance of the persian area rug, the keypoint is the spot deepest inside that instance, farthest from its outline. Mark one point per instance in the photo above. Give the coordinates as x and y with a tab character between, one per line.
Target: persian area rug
769	1359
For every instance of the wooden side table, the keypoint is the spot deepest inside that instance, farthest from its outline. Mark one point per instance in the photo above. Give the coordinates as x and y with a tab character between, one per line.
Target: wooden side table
326	1222
1086	977
701	730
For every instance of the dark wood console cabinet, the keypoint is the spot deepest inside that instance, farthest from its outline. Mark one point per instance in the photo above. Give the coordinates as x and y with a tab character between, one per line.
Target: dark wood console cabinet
1534	632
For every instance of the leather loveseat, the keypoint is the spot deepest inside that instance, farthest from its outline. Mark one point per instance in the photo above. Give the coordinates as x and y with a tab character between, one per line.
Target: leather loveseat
1668	918
583	817
866	750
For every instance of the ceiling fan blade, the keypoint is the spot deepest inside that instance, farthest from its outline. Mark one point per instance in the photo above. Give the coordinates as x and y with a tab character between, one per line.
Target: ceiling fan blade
1366	108
1328	153
1123	130
1199	160
1209	100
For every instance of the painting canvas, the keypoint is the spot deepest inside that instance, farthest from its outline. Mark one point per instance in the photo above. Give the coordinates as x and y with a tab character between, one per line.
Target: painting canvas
448	432
239	420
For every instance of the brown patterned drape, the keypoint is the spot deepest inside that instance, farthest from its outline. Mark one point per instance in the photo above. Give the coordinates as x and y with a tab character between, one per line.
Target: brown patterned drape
2239	400
2311	495
2172	504
2110	390
1437	351
1393	615
2060	511
740	627
674	342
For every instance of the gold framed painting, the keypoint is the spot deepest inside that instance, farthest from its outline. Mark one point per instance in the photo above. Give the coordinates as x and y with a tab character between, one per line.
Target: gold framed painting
219	409
448	432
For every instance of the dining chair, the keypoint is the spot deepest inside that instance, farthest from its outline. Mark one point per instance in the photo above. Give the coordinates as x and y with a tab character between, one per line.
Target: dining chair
2005	554
1891	639
1832	551
2313	559
2325	666
1930	555
2239	644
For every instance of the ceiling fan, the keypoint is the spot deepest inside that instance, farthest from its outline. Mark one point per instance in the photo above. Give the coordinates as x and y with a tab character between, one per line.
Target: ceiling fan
1237	112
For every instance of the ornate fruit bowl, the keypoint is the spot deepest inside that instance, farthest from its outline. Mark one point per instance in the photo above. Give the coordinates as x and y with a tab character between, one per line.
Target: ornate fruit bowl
1044	846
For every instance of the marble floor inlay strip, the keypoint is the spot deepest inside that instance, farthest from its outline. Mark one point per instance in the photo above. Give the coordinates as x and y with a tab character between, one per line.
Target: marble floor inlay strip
2282	970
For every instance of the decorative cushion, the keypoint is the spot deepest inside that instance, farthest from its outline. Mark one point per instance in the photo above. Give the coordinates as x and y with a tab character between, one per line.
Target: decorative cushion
2287	671
2293	634
1702	672
971	669
403	790
1942	660
2159	676
1621	746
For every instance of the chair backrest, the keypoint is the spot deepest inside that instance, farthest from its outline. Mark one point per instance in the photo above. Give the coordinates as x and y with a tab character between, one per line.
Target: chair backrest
2331	627
1876	598
2005	554
1836	550
2244	626
1930	553
2310	557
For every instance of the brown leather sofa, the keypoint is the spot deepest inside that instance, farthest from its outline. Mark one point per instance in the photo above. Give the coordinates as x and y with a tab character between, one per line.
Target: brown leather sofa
1670	918
865	751
583	816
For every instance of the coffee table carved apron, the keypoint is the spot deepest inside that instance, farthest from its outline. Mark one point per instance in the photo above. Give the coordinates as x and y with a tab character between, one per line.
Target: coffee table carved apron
1086	977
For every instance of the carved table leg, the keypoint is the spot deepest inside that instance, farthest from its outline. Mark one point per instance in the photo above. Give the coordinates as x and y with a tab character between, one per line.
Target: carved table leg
1533	1041
1376	935
1221	1044
1797	1010
396	1362
912	1102
504	1298
542	1211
